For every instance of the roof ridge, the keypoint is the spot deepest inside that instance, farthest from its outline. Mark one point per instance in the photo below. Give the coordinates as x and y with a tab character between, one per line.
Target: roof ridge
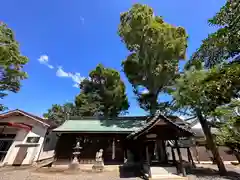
108	118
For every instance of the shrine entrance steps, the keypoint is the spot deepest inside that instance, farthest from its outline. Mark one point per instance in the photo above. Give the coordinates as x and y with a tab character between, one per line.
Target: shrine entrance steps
161	172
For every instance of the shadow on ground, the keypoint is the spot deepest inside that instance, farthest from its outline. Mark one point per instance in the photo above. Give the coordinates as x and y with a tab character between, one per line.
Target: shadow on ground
129	171
208	172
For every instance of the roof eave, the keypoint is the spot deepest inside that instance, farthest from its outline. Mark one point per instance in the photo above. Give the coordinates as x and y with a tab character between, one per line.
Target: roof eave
93	132
158	117
24	114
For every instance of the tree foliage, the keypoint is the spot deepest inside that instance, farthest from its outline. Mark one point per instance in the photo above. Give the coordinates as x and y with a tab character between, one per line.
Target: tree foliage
229	132
60	113
155	50
103	93
223	45
11	63
203	90
88	104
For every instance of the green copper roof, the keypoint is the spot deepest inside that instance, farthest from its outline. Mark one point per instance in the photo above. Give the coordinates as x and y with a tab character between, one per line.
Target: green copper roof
91	125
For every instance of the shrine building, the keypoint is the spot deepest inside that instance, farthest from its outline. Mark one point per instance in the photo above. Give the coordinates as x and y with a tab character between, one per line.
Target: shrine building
133	140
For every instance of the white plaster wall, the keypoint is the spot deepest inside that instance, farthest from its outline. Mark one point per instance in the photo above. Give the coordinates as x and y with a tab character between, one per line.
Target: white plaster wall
38	130
33	152
10	156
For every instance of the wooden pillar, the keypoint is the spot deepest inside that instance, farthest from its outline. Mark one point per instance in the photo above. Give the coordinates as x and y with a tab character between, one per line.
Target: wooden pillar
147	155
162	155
173	156
124	155
189	155
190	158
124	146
113	149
180	159
148	161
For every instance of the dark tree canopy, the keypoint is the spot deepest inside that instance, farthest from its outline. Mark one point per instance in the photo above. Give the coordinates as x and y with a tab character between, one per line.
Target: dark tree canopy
103	93
60	113
11	63
206	90
155	50
223	45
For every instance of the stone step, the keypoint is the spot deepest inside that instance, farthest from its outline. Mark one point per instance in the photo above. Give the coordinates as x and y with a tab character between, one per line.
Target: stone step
169	178
165	173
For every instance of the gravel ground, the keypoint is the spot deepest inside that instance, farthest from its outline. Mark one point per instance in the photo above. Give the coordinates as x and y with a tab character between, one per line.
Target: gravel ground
32	174
203	172
210	172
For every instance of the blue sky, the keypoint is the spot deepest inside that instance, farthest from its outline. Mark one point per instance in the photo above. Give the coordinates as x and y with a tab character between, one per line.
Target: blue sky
64	40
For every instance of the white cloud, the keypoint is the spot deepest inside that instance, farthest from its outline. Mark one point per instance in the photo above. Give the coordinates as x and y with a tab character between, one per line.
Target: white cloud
145	91
43	59
50	66
82	19
61	73
76	77
76	85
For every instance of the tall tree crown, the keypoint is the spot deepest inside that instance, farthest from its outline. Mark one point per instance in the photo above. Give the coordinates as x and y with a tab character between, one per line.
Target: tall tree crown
155	50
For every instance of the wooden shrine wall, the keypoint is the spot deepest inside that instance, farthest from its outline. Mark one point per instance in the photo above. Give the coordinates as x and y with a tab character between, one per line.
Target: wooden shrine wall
91	143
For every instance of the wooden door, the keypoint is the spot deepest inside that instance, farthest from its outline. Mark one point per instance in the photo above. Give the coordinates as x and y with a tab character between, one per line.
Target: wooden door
22	153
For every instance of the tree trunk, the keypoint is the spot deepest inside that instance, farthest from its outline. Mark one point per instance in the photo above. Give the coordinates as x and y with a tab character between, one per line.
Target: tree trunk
235	153
210	142
153	108
154	103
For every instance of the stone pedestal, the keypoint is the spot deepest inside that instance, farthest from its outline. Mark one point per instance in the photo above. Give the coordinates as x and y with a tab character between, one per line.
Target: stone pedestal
98	166
74	165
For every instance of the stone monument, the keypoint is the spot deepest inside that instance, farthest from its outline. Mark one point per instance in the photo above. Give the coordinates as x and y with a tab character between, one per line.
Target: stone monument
74	165
98	165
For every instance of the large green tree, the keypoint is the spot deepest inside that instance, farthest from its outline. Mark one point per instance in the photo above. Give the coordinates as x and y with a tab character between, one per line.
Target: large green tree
203	90
60	113
103	93
155	50
11	63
